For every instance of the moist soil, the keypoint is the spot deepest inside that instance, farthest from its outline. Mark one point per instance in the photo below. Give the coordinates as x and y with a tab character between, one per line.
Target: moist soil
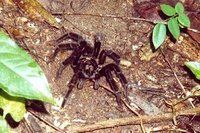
144	67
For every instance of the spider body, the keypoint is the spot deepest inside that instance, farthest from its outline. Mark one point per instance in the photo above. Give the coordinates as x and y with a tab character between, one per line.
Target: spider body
87	63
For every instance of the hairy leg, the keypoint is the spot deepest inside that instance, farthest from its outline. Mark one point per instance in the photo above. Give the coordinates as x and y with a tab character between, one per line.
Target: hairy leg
80	83
75	37
71	85
107	73
97	46
110	54
63	47
120	76
73	59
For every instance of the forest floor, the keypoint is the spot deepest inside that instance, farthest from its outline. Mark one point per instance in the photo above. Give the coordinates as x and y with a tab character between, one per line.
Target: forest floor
146	69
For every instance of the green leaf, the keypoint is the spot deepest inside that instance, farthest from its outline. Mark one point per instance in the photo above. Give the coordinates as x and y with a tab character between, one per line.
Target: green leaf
184	20
13	105
194	67
3	126
173	27
20	75
179	8
159	34
168	10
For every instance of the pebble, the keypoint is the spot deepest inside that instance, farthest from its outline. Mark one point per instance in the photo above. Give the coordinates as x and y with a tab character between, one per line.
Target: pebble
64	124
125	63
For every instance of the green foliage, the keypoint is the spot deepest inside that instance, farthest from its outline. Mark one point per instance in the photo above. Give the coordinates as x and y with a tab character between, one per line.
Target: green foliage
3	126
184	20
159	34
194	67
13	105
173	27
20	75
168	10
177	19
21	78
179	8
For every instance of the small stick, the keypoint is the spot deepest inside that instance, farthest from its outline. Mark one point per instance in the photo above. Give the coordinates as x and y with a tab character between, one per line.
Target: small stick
122	17
46	122
134	120
179	82
129	107
26	124
166	128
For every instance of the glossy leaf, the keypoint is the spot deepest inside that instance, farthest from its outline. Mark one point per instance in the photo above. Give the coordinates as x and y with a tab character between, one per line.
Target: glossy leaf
20	75
168	10
3	125
194	67
184	20
173	27
14	106
179	8
159	34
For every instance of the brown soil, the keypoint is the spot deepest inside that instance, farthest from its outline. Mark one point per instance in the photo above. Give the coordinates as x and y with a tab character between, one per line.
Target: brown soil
130	39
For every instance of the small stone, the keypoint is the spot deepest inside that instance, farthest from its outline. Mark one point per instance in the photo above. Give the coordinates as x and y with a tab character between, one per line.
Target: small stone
64	124
58	19
135	47
125	63
79	121
56	122
151	78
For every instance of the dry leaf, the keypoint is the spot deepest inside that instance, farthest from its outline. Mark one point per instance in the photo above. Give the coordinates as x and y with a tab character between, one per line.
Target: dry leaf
36	11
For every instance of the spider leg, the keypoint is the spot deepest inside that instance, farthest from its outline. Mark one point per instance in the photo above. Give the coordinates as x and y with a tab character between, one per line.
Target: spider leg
69	46
109	53
74	58
79	51
70	85
96	81
121	77
63	47
107	73
63	65
97	45
119	74
80	83
75	37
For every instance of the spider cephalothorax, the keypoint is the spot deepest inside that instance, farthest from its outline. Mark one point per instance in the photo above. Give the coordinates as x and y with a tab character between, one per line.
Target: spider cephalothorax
87	63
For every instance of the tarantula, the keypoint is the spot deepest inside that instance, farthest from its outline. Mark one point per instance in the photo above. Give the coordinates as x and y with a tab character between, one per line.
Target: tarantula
87	63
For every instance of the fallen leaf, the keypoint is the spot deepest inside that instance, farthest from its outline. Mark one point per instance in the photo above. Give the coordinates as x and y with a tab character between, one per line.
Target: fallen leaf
36	11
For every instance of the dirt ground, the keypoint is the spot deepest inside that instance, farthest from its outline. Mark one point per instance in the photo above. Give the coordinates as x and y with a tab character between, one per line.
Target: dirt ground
147	70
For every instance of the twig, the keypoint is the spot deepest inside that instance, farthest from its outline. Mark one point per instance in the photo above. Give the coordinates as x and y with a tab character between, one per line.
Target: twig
46	122
134	120
27	126
185	98
166	128
179	82
129	107
123	18
76	27
125	103
193	30
116	17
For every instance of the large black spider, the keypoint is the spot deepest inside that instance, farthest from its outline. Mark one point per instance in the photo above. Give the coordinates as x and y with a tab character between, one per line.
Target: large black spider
87	63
